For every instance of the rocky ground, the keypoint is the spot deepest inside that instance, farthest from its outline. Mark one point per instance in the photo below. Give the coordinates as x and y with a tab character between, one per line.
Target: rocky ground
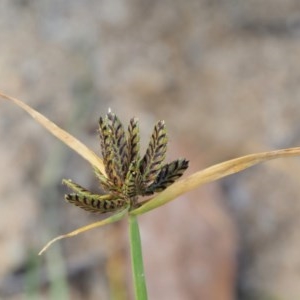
224	75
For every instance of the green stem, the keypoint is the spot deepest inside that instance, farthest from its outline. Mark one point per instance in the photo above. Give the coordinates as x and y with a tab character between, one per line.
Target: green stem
137	260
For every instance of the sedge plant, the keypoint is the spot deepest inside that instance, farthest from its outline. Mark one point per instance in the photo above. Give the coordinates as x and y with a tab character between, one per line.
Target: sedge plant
125	177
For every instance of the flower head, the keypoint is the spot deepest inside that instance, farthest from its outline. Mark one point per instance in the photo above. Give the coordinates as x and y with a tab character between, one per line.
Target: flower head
127	174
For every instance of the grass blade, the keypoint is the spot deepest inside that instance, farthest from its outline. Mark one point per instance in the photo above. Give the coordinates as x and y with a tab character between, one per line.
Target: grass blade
112	219
61	134
211	174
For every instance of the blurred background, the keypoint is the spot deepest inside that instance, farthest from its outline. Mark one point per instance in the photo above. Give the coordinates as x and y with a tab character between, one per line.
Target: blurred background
224	75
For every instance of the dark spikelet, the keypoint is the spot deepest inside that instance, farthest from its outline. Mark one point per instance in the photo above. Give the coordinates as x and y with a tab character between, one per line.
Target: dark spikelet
94	203
104	138
119	145
155	154
168	174
130	186
133	141
108	152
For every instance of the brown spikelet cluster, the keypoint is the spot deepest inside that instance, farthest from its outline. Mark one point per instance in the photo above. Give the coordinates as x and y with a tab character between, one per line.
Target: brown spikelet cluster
127	174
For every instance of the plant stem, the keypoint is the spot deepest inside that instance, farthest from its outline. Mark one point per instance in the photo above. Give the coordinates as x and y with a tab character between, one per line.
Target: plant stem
137	264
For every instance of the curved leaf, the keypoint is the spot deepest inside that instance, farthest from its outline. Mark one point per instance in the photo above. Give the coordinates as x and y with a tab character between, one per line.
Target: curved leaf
61	134
114	218
211	174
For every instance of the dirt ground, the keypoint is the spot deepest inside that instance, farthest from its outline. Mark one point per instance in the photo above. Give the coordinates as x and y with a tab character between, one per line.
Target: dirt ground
224	75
